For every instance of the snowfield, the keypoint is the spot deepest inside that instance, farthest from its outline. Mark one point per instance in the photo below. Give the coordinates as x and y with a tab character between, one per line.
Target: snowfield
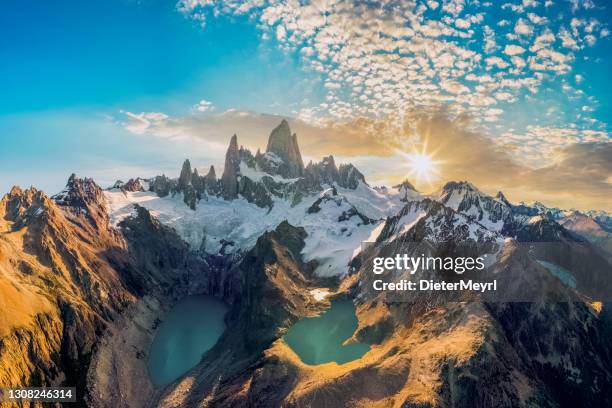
330	242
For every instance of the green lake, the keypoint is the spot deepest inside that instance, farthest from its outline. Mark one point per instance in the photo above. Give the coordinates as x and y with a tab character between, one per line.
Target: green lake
191	328
318	340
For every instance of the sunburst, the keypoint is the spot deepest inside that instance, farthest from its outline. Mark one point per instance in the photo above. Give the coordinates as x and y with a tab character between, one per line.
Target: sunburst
422	165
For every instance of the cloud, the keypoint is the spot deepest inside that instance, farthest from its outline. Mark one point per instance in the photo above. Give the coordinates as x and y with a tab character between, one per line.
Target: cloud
140	123
203	106
496	62
522	28
580	177
384	56
512	49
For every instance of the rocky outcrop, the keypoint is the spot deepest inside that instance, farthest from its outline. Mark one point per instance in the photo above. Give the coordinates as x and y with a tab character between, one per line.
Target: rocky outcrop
162	185
349	176
211	183
133	185
602	218
229	182
283	144
589	229
406	190
83	196
464	197
185	177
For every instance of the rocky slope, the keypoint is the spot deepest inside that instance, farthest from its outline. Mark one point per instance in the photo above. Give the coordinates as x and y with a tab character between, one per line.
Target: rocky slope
60	283
446	353
67	275
589	228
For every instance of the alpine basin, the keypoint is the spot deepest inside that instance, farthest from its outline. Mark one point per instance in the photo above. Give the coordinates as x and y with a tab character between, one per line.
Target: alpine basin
319	340
191	328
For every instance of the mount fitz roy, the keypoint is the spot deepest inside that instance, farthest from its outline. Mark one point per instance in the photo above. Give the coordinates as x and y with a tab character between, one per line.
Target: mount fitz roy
86	276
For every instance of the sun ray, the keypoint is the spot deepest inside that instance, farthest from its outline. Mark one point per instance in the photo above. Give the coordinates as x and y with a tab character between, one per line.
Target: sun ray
423	168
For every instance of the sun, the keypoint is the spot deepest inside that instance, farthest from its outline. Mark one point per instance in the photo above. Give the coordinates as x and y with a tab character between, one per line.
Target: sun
422	167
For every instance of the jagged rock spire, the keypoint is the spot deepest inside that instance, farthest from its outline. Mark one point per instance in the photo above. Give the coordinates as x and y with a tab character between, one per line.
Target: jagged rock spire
405	185
284	145
407	190
186	175
210	181
229	183
211	176
501	197
84	197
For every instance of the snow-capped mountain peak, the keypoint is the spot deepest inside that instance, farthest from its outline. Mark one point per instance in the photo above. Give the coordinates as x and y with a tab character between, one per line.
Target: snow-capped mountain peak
465	198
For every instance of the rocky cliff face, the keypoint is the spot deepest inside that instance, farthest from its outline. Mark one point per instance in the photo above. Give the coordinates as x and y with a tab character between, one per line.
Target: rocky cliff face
229	182
283	144
273	294
590	229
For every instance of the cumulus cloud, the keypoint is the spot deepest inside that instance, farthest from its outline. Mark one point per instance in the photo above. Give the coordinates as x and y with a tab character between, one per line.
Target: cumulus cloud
512	49
522	28
203	106
383	56
140	123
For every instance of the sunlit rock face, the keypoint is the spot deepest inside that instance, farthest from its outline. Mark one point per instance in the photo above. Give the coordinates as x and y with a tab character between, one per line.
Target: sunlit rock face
283	144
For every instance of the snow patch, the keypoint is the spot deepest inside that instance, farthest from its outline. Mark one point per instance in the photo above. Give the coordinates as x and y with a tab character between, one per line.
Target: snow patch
319	294
257	175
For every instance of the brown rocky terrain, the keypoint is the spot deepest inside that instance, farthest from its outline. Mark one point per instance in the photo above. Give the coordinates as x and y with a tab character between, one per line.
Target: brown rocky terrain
446	353
60	286
66	276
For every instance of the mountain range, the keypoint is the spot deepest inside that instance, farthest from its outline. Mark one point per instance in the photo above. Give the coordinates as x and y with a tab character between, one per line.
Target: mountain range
87	274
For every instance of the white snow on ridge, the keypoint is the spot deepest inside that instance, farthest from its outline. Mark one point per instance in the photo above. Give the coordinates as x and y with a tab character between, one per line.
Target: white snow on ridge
256	175
237	220
373	204
330	242
454	200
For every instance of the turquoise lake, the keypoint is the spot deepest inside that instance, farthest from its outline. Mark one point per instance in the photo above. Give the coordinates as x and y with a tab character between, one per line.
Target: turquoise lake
191	328
318	340
563	274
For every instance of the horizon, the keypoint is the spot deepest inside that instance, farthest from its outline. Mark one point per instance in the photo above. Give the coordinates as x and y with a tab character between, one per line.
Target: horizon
203	169
512	97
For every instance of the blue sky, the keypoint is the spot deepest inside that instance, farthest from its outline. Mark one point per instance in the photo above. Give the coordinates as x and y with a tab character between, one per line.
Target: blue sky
111	88
68	66
122	53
